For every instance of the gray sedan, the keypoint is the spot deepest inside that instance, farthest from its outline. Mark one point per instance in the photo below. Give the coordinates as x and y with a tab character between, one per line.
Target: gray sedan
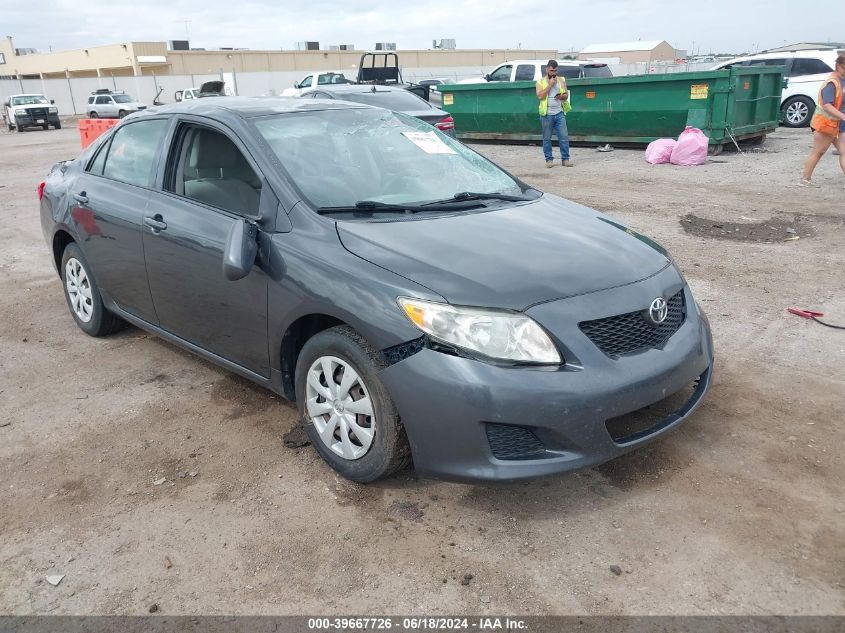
415	300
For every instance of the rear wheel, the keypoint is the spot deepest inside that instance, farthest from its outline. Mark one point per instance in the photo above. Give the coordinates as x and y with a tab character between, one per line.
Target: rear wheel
83	296
347	411
798	111
93	115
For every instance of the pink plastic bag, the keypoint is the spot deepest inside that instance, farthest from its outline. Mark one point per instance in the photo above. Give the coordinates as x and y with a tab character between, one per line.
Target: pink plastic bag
691	148
660	151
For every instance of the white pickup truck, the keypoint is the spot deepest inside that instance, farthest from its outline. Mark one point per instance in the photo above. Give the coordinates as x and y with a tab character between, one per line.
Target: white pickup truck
316	79
534	69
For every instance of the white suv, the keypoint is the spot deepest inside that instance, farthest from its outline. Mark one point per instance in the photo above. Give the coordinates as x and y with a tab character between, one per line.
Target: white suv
806	71
534	69
111	104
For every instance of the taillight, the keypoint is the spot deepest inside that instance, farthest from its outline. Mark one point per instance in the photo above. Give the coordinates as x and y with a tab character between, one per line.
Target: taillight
41	190
446	123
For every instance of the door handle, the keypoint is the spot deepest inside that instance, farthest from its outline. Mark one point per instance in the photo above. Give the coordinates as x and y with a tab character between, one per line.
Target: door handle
156	222
81	197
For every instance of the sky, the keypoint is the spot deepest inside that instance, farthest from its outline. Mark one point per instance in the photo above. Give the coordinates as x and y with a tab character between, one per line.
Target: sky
697	26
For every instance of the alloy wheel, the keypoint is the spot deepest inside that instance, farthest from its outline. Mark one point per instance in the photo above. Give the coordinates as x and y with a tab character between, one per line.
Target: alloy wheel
79	290
339	406
797	112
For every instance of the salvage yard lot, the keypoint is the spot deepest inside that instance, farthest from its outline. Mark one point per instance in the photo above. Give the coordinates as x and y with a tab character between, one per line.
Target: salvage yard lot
739	511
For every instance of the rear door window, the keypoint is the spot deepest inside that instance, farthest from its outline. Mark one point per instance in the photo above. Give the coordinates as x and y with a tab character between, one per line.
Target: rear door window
524	72
808	66
597	70
568	72
133	153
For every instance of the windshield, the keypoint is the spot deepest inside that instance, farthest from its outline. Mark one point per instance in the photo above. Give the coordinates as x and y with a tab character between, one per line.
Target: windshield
28	100
401	100
340	157
122	98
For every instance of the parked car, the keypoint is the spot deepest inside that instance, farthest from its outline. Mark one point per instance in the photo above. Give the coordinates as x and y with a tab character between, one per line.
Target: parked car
534	69
112	104
415	300
214	88
331	78
31	110
389	97
806	71
434	82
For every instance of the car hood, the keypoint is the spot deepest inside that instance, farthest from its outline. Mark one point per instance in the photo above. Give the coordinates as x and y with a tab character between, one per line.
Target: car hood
509	257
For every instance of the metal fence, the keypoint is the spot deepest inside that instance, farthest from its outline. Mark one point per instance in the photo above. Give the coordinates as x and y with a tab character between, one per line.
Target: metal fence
71	95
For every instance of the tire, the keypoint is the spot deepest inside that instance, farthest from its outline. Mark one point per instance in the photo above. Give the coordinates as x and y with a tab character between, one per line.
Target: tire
797	111
46	126
58	126
380	453
19	128
90	314
122	114
93	115
11	127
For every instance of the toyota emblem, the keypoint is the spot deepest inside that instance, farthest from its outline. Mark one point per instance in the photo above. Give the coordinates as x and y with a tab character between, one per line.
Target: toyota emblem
658	311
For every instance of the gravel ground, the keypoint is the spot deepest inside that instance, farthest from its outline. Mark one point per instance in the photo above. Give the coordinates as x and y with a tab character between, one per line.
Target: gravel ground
740	511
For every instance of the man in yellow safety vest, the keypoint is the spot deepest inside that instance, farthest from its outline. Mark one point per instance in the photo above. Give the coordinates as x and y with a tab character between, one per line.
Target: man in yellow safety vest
554	104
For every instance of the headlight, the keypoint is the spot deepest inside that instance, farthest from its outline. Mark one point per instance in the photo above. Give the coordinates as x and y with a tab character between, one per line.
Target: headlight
502	335
54	110
22	113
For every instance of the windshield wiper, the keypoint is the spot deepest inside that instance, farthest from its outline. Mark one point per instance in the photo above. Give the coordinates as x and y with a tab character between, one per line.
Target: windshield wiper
465	196
368	207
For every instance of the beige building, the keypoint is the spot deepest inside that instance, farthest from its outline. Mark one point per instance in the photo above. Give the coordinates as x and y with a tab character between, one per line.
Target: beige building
632	52
153	58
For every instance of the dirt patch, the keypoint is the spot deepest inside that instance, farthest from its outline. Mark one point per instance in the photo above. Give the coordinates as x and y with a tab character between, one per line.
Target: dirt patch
751	230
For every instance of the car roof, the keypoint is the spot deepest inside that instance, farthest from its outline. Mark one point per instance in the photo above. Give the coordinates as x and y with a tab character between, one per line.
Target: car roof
825	55
27	94
357	88
244	107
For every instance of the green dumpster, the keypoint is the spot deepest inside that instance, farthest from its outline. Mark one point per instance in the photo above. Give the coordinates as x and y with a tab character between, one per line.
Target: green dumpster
741	103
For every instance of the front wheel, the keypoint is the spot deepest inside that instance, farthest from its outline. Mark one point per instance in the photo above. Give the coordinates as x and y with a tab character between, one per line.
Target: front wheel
57	126
798	111
347	411
122	114
83	295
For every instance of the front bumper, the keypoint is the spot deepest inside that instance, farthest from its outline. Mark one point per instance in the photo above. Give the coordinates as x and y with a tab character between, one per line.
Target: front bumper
26	120
449	404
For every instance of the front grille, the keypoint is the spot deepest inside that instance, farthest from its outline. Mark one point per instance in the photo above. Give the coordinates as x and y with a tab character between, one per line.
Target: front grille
514	442
37	112
632	332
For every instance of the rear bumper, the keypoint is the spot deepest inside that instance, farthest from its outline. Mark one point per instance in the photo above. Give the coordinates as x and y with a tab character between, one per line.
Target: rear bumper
448	405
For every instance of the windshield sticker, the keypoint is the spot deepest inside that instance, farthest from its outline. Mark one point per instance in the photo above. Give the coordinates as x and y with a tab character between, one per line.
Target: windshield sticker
428	142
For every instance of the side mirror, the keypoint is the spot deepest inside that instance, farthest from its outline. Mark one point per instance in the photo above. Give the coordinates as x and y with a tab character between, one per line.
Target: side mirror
241	249
487	77
52	102
178	96
296	84
7	104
